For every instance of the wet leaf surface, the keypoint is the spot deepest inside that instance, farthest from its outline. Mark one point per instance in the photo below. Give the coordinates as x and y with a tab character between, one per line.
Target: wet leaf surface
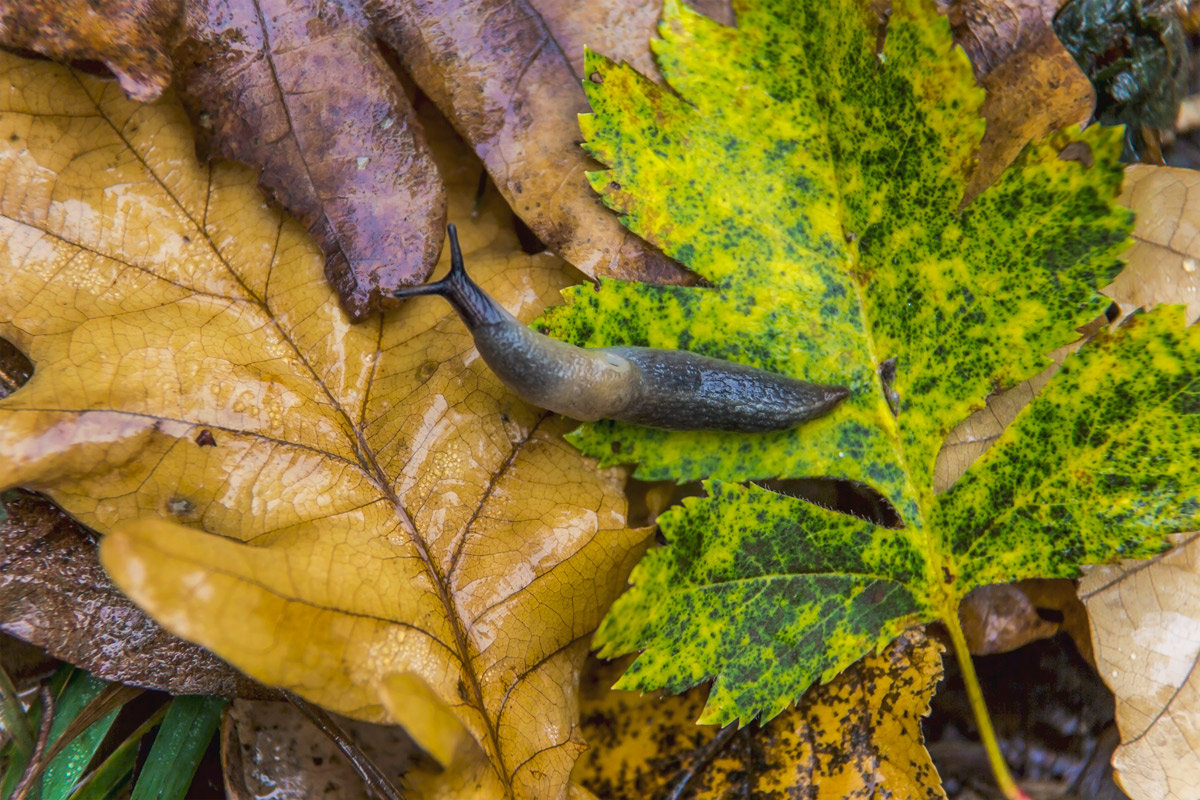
361	514
55	594
300	89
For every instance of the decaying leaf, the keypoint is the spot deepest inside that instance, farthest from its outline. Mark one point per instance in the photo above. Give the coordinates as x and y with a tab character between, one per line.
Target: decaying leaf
816	186
856	737
301	90
1144	627
360	513
131	37
270	749
1000	617
1164	262
1034	87
620	28
54	593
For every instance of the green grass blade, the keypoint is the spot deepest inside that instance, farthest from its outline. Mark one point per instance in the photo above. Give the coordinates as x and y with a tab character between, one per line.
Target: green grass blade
114	772
189	726
64	771
12	717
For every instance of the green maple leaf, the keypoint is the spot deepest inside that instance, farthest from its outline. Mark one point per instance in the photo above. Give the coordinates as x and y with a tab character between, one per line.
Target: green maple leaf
814	181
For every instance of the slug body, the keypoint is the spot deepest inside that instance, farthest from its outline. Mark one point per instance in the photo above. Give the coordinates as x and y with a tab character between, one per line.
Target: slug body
671	389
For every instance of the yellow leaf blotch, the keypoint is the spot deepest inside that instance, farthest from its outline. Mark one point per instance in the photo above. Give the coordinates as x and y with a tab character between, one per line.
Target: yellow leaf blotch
347	511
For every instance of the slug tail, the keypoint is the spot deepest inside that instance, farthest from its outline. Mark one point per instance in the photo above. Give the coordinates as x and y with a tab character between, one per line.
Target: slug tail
474	305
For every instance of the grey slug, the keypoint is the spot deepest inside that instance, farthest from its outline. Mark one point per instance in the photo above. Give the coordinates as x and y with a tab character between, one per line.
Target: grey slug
671	389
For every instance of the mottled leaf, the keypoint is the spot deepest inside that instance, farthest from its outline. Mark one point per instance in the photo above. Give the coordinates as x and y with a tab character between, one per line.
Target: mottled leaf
360	513
815	184
856	737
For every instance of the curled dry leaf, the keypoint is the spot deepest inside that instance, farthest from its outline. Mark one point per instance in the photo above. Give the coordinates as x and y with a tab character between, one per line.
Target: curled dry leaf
1145	616
360	513
55	594
1034	87
129	36
858	736
1164	262
1000	617
496	71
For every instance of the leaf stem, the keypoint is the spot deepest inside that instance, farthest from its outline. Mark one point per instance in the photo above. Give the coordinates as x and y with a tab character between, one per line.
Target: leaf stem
987	733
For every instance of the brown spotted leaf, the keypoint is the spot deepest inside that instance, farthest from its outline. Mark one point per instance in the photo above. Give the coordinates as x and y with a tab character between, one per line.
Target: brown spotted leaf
359	513
856	737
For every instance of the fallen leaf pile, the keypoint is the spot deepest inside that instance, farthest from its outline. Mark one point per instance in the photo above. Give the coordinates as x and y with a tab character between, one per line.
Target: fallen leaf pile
359	513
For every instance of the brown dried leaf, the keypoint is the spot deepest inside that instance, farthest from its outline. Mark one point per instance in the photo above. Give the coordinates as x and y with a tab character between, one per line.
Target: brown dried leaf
837	743
999	618
1034	87
1145	617
270	749
1164	260
621	29
360	513
129	36
54	593
299	88
496	71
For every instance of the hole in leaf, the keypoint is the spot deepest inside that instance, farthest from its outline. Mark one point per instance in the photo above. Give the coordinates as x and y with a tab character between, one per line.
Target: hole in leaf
15	368
847	497
528	240
1080	152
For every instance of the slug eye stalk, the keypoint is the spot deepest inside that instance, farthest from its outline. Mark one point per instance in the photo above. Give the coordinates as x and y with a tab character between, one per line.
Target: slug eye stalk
671	389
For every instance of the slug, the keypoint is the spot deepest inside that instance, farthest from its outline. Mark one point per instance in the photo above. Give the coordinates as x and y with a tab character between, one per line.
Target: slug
671	389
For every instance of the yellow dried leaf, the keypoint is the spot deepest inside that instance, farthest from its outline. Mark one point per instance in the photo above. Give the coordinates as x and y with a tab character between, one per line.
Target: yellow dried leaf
359	513
855	737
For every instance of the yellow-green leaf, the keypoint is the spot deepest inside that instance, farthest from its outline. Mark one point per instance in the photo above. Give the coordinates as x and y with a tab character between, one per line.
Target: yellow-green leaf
814	181
358	513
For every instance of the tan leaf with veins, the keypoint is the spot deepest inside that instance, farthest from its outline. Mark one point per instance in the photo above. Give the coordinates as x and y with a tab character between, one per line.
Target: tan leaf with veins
1164	262
1146	632
359	513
